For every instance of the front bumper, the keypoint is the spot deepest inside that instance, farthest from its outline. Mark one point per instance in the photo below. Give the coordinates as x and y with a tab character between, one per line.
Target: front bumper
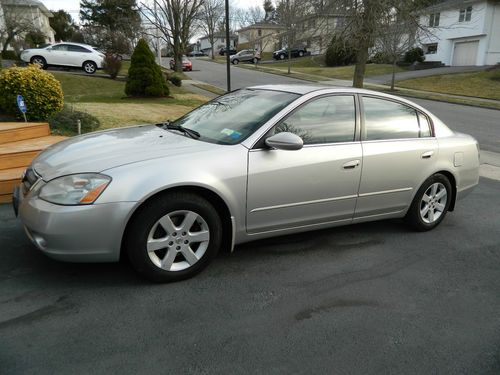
90	233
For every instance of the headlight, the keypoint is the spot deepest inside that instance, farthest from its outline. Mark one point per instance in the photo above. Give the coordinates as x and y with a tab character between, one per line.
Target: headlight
75	189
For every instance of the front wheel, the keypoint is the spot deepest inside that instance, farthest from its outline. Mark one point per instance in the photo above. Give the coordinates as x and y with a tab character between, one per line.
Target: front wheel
89	67
282	57
431	203
236	61
301	53
173	237
40	61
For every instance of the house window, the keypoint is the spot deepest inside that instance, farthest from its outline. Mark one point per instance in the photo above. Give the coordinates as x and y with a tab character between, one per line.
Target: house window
222	40
434	20
259	32
465	14
431	49
312	23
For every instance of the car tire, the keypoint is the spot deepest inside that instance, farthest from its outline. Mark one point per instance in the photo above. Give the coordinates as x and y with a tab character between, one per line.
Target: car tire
255	60
301	53
40	61
282	56
236	61
89	67
430	204
173	237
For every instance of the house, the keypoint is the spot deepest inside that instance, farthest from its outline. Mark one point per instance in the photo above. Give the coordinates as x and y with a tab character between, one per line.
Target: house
262	36
315	31
34	12
462	33
204	45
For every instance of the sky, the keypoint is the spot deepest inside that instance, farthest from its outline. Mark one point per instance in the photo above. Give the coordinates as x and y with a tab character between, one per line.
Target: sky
73	6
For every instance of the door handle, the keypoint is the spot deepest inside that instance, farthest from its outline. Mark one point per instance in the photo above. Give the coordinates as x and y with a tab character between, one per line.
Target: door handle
351	164
427	155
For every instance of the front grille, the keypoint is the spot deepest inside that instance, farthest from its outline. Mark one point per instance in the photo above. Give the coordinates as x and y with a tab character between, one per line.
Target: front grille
29	179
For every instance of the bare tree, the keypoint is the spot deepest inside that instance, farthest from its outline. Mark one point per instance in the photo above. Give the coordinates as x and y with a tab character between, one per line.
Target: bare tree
16	22
248	16
212	12
175	20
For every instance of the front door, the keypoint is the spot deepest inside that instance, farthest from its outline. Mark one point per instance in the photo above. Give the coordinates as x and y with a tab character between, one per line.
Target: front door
316	184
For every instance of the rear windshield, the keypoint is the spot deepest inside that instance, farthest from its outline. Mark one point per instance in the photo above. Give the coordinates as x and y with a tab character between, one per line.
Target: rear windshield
231	118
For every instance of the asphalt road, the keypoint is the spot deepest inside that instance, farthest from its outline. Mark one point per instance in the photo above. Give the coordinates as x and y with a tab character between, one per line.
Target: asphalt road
482	123
366	299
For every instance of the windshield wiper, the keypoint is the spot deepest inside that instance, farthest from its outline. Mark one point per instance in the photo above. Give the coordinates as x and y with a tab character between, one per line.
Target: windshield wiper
190	132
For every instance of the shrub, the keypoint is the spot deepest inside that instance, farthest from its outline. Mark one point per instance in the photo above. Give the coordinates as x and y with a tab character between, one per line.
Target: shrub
381	58
65	122
41	91
112	64
340	52
10	55
144	75
175	79
414	55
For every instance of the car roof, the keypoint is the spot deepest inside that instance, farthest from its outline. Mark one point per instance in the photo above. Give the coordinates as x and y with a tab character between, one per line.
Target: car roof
75	44
303	89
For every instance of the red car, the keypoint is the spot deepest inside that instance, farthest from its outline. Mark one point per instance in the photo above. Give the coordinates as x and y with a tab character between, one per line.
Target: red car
186	64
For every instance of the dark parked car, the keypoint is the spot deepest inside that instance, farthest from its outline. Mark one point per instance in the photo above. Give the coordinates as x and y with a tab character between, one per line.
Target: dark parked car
222	51
196	53
282	54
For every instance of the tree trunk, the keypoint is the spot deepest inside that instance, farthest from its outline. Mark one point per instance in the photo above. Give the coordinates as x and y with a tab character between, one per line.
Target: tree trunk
359	70
393	74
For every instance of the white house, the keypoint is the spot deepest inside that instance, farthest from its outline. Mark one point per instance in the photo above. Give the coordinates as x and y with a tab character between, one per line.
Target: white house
204	45
462	32
34	12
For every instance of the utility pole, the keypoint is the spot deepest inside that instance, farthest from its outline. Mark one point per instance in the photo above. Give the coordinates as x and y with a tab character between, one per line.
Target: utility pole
158	45
228	47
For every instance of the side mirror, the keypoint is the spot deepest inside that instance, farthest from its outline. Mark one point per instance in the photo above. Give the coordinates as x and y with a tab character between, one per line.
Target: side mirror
285	141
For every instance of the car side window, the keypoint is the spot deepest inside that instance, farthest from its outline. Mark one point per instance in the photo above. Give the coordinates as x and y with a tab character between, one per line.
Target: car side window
73	48
60	47
385	119
425	126
328	119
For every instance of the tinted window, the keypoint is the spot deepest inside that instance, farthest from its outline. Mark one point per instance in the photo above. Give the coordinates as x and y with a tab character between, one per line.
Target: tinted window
60	47
77	49
325	120
385	119
231	118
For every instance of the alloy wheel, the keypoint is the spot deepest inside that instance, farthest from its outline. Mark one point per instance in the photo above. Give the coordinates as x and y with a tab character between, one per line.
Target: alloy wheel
178	240
433	203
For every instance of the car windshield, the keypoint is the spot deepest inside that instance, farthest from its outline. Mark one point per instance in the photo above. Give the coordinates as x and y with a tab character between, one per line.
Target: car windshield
231	118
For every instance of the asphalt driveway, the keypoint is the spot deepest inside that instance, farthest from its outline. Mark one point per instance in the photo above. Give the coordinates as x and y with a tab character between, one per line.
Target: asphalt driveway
367	299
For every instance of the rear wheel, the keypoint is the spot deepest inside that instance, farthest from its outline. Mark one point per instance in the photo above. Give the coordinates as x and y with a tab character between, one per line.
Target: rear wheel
431	203
173	237
40	61
89	67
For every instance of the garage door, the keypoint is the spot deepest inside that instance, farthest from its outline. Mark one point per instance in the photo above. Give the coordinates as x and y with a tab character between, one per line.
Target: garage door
465	53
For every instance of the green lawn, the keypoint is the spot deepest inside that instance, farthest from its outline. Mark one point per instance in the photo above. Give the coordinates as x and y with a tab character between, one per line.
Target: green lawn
105	98
481	84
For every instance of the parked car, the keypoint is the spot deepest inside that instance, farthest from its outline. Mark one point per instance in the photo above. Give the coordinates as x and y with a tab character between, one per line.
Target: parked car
65	54
254	163
282	54
222	51
245	55
187	65
196	54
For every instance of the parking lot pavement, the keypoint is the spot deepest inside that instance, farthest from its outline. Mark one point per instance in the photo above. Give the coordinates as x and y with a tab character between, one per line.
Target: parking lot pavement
366	299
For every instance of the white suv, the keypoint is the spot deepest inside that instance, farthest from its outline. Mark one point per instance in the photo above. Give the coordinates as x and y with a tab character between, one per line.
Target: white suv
65	54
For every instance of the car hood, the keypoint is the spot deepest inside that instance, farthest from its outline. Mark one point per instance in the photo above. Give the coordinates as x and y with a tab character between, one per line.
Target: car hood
99	151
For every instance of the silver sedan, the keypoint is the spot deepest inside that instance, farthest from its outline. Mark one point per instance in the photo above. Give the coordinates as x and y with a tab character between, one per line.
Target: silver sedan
255	163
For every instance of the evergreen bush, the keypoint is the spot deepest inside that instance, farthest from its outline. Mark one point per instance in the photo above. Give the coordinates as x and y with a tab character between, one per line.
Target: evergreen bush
144	75
340	52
